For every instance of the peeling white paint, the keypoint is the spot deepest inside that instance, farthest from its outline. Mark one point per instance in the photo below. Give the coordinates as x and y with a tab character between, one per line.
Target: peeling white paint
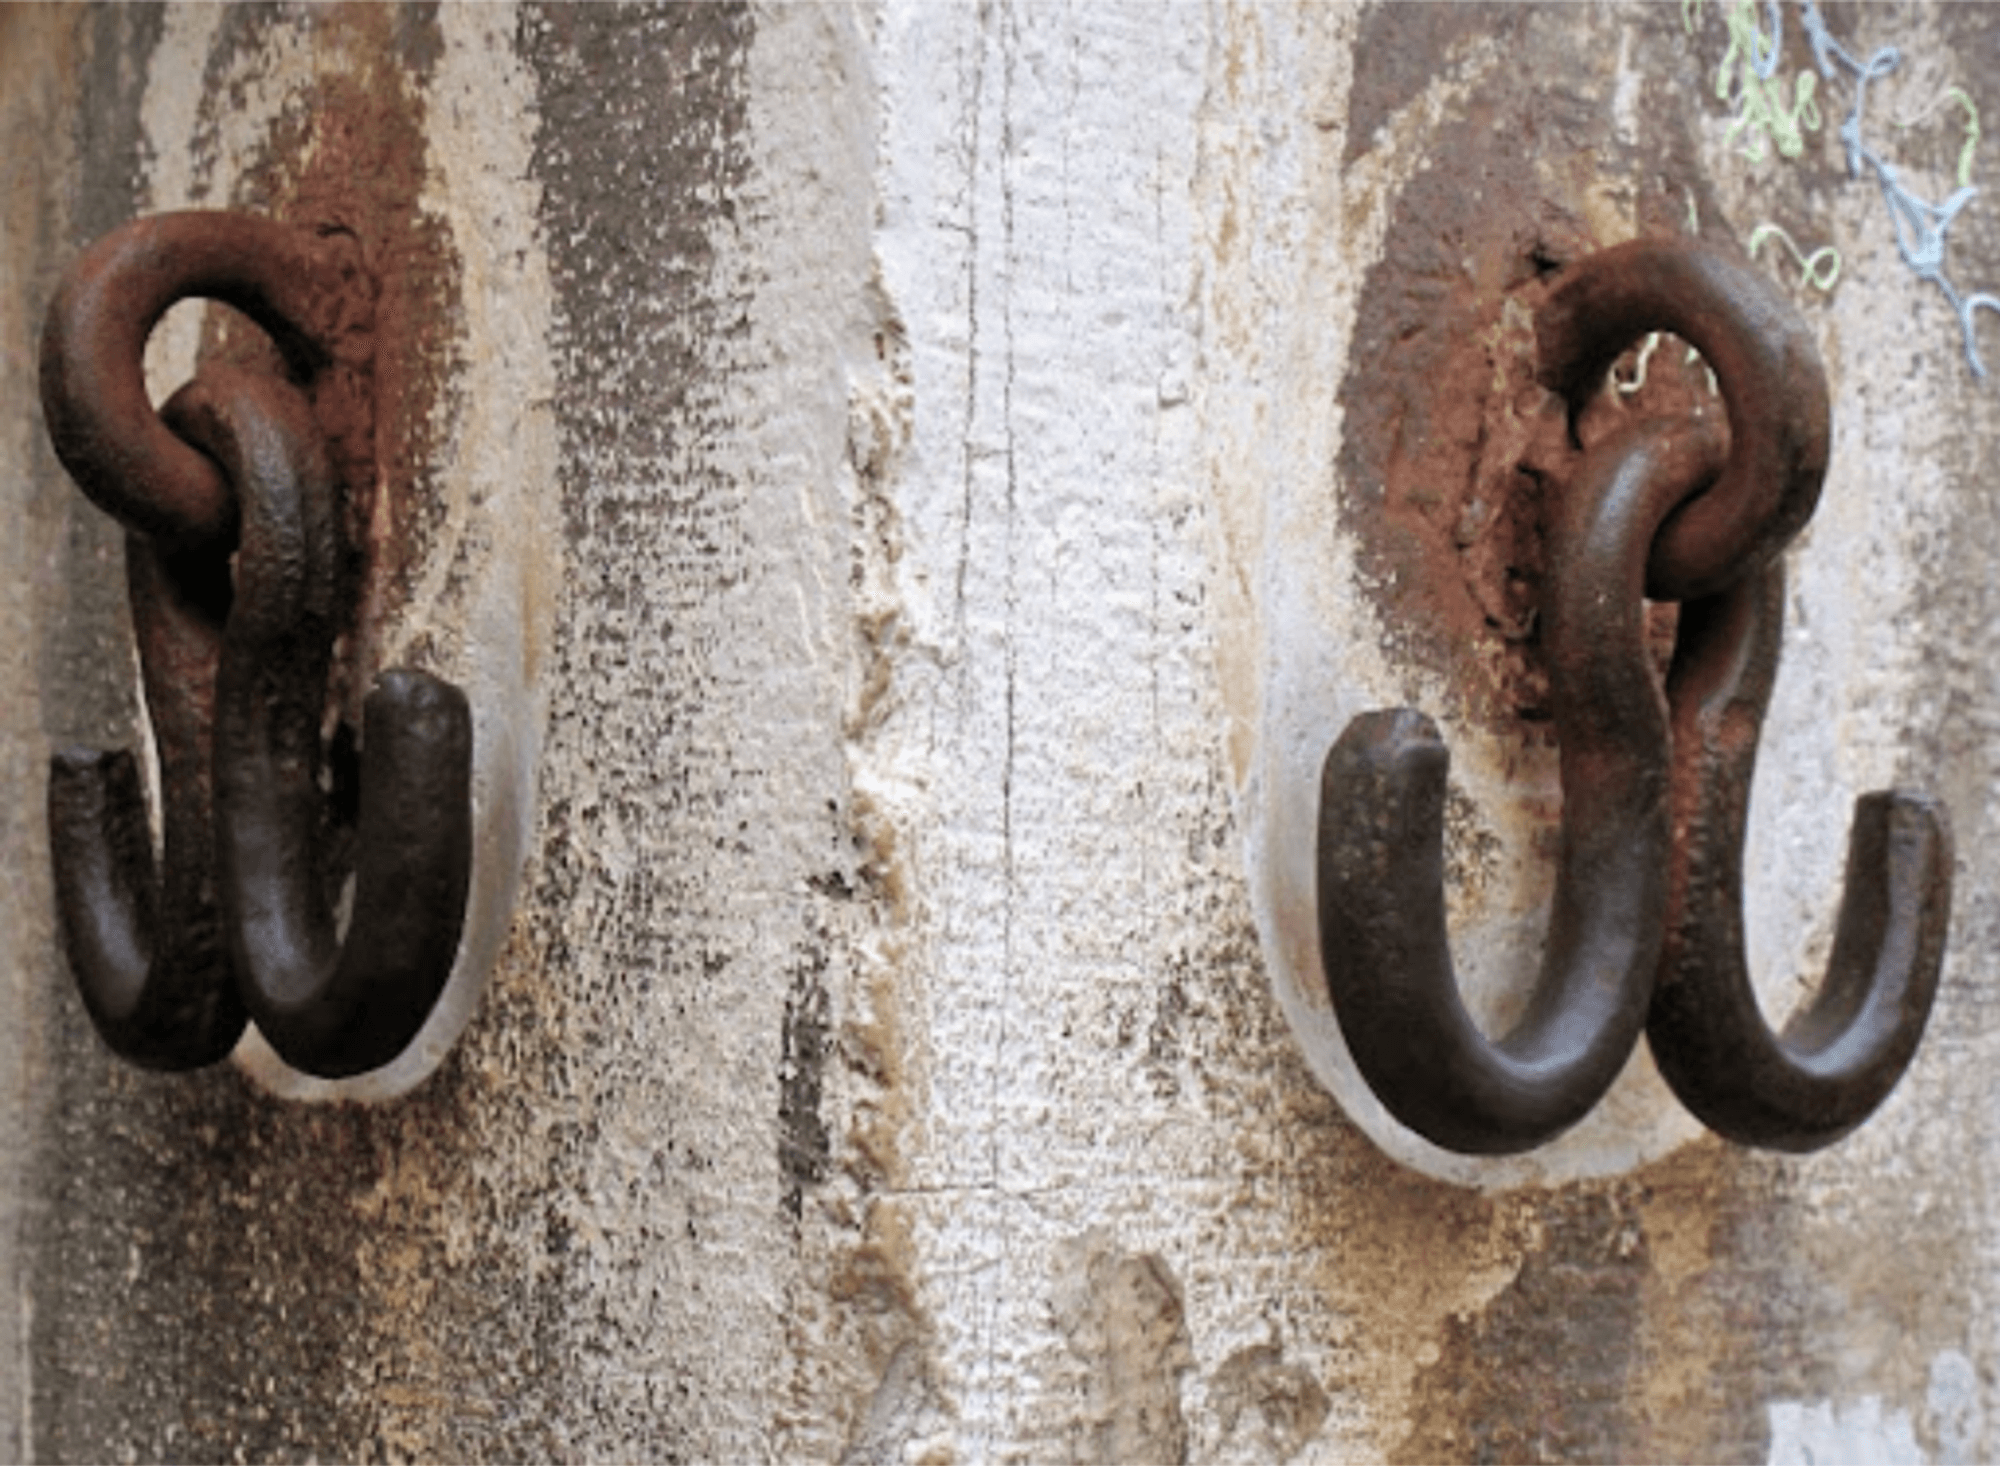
1049	696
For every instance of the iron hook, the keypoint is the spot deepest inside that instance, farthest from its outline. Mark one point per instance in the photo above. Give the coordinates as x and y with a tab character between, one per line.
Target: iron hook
330	1005
145	942
1383	943
1841	1054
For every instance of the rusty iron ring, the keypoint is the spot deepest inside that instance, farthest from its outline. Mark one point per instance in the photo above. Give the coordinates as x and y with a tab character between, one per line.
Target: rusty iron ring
1771	379
1383	943
329	1005
298	286
145	940
1842	1053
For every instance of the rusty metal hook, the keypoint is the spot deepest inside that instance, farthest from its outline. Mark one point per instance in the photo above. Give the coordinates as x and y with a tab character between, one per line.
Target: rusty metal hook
145	942
1843	1052
1656	509
329	1005
1383	944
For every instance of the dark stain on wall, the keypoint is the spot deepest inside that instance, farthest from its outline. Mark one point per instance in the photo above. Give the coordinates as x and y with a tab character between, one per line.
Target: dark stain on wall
195	1250
642	159
804	1145
88	649
1403	47
1540	1374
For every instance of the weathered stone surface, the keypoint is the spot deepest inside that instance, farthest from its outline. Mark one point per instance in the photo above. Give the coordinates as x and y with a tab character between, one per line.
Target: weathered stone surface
937	478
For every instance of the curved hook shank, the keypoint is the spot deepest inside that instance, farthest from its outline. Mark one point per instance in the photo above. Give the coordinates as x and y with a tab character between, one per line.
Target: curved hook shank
292	283
146	944
1381	898
1770	374
329	1007
333	1007
1840	1056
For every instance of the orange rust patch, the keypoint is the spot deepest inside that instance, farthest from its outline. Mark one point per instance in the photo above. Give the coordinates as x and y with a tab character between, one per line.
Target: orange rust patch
1439	482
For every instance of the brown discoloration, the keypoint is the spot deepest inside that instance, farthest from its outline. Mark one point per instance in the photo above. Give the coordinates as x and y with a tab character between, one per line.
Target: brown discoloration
1406	46
1396	1254
867	1378
1539	1374
1440	423
1718	1284
1650	1317
349	154
1450	445
1560	1324
876	1045
873	1287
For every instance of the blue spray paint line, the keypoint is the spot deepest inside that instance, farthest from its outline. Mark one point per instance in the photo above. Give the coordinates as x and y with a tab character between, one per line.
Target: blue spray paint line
1920	225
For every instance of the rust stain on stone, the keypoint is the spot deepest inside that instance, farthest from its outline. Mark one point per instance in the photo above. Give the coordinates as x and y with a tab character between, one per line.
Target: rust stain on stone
1607	1320
1540	1373
1450	446
1652	1316
349	153
1441	488
1601	1320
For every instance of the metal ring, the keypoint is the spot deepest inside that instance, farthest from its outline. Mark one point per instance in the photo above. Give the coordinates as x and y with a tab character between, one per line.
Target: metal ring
1843	1052
289	281
1770	375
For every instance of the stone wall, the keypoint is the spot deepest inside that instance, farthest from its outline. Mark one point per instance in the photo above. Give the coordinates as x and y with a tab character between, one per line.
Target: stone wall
913	491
